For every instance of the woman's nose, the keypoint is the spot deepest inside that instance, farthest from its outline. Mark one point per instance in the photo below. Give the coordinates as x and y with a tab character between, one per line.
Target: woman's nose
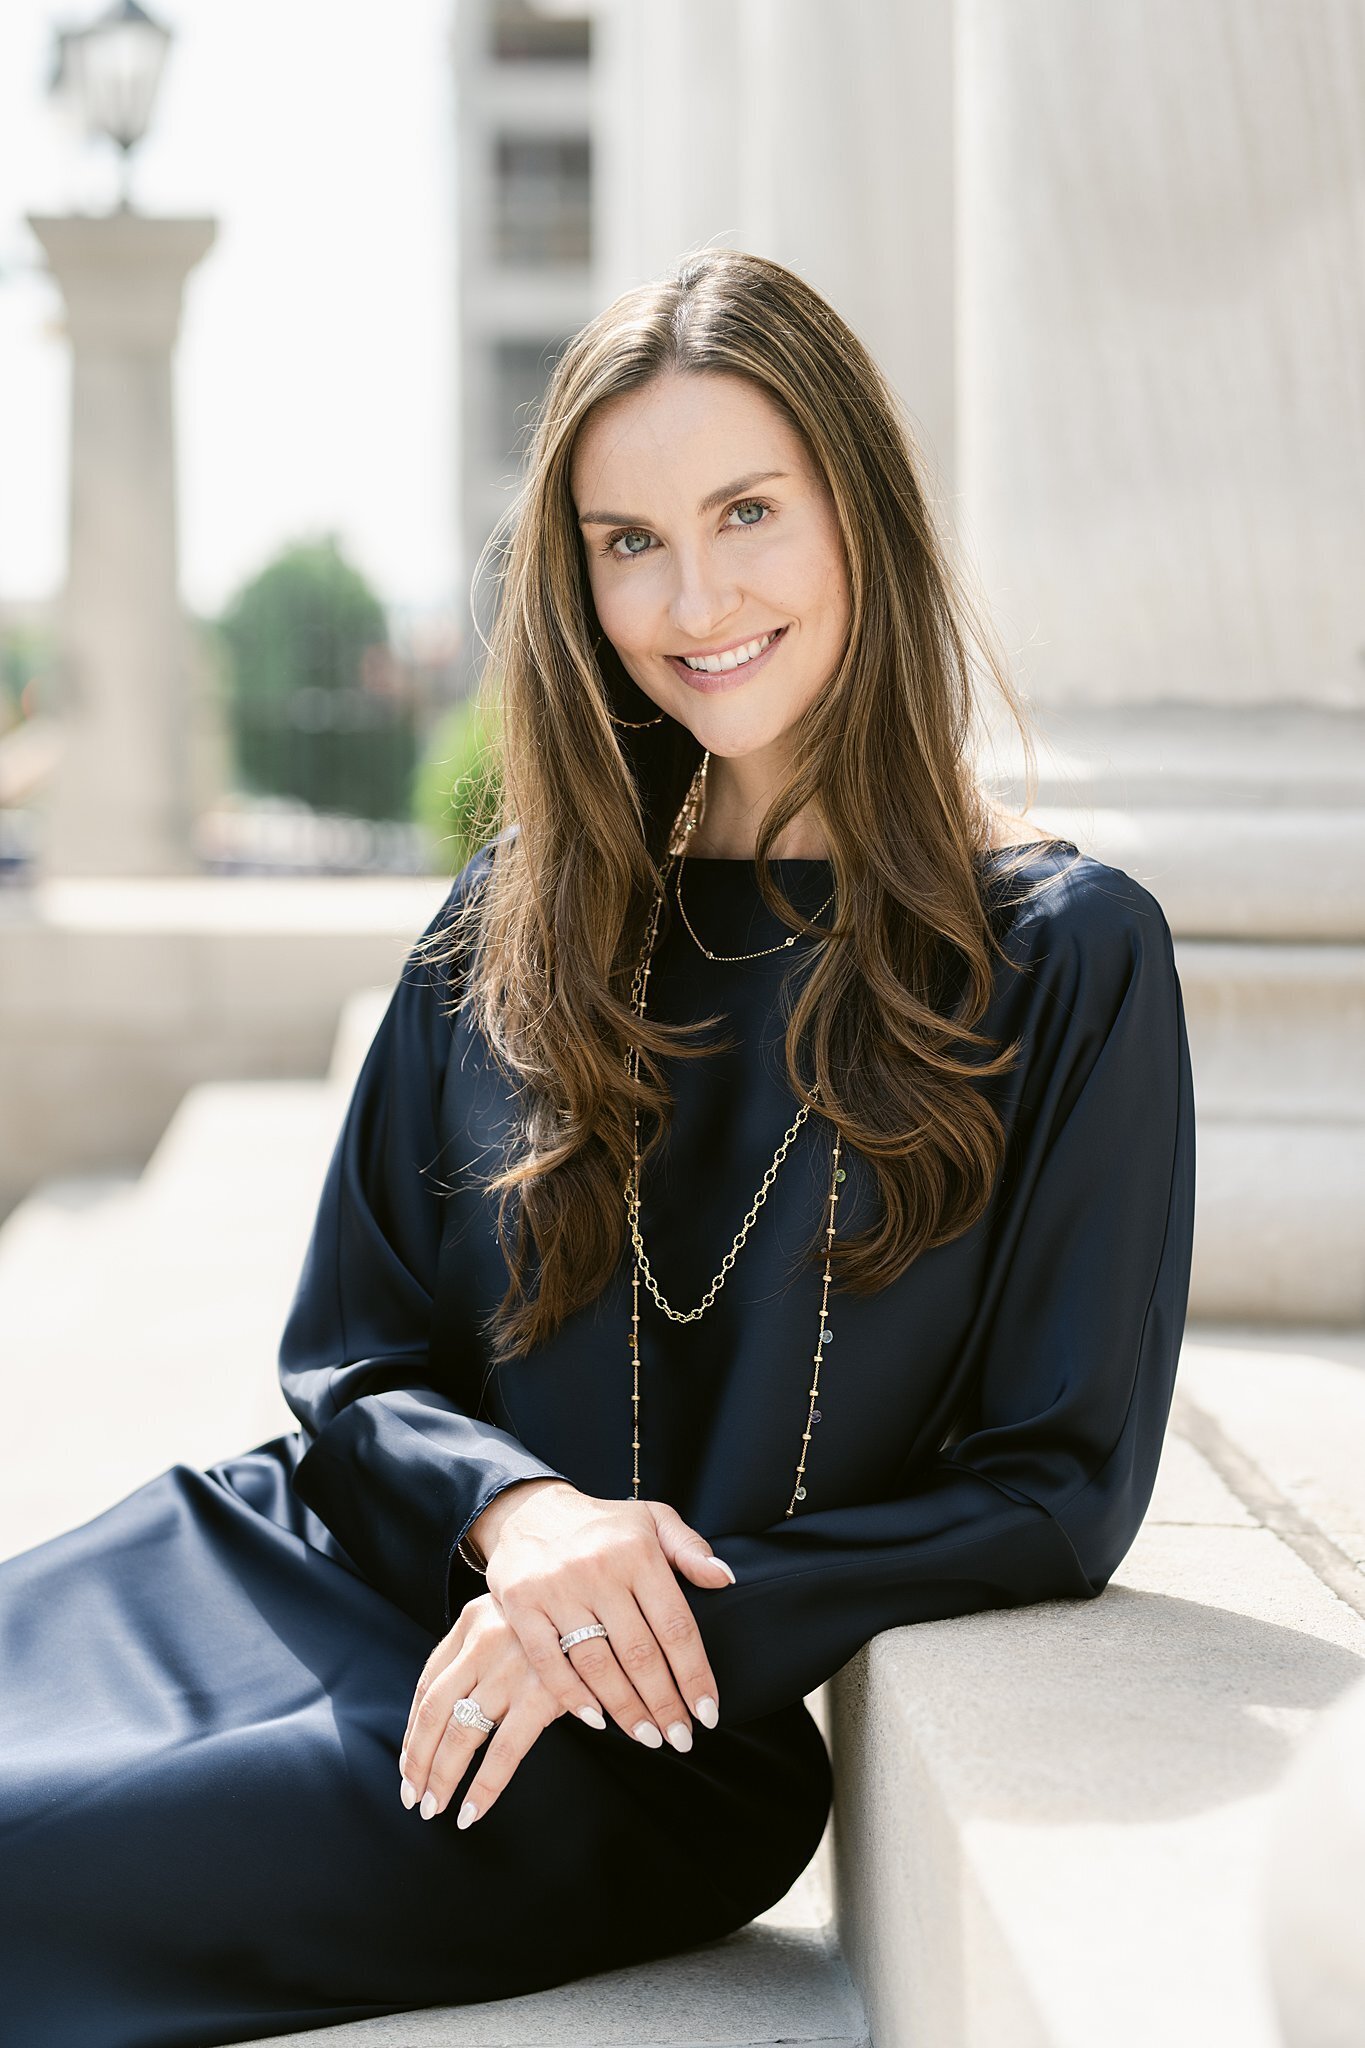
702	607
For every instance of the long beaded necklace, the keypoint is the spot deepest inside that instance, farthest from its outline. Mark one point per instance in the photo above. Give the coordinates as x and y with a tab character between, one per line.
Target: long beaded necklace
688	819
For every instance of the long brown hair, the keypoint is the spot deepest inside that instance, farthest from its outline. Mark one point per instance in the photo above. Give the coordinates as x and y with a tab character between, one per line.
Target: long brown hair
585	799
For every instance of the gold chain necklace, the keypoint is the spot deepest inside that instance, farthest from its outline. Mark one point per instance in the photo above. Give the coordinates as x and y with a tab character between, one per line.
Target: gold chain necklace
688	819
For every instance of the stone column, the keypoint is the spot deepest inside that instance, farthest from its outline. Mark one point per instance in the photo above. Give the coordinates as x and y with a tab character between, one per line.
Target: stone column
1162	325
1162	459
817	135
123	801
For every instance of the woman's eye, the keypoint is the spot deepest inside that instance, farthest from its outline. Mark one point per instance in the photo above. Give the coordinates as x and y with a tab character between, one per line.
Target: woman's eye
632	533
611	546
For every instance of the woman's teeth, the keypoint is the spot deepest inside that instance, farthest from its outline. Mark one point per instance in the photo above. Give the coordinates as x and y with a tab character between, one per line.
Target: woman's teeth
714	664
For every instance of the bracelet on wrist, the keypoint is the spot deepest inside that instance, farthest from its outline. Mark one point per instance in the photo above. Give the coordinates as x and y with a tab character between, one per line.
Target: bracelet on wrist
471	1557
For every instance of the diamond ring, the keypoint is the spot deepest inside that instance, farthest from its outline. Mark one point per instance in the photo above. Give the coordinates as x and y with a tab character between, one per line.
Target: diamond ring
580	1635
469	1714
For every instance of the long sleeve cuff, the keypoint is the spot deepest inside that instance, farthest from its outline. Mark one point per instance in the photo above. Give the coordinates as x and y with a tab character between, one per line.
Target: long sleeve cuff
398	1478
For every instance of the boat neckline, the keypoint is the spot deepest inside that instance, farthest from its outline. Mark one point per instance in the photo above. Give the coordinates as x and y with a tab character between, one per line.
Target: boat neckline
819	860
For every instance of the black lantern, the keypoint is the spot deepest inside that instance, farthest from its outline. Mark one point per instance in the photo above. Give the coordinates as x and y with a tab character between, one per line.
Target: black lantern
110	72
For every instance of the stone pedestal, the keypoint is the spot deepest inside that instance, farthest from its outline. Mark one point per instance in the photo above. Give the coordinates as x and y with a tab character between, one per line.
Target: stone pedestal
123	800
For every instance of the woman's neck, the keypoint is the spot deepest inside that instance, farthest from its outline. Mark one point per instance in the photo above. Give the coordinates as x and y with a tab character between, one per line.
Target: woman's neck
737	799
794	844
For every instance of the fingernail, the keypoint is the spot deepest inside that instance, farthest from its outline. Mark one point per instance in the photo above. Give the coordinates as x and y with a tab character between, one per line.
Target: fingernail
725	1568
680	1735
403	1762
468	1812
592	1717
408	1794
646	1732
428	1806
708	1713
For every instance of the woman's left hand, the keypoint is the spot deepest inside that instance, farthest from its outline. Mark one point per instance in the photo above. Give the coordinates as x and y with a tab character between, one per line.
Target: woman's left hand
481	1656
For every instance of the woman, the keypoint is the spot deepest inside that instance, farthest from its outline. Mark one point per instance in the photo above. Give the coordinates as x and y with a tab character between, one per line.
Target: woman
752	1012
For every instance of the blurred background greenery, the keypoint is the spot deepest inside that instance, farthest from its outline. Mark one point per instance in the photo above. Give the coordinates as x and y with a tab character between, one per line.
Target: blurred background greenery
322	711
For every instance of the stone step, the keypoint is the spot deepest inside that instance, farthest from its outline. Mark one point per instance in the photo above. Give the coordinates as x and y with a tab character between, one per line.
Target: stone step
1263	760
118	994
148	1319
175	1283
1245	825
1289	875
1052	1825
1277	1048
780	1979
360	1018
1277	1032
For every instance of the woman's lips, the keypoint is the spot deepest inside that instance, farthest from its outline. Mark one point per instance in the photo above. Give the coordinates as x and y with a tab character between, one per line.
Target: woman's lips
725	678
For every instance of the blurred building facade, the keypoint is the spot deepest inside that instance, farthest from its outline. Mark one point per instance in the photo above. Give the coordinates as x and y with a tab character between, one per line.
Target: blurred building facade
525	274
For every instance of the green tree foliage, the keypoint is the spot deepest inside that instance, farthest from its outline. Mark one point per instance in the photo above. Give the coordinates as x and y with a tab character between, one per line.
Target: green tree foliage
456	787
313	705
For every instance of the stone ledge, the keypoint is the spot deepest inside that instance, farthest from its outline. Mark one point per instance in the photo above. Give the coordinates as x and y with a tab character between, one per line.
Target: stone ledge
767	1983
1051	1824
204	904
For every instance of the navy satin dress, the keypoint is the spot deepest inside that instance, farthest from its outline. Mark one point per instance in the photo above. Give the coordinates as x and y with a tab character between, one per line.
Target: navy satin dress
203	1689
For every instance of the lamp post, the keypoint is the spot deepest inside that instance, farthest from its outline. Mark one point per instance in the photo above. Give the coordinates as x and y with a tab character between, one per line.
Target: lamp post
110	71
124	798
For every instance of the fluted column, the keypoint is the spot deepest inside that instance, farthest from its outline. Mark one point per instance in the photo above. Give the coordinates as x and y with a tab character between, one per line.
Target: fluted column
1162	344
818	135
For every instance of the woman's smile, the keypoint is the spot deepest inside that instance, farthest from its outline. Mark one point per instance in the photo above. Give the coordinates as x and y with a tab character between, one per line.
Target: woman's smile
725	678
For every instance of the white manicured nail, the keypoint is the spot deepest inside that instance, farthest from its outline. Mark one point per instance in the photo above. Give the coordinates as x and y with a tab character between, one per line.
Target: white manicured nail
408	1794
708	1713
592	1717
428	1806
468	1812
646	1732
680	1735
725	1568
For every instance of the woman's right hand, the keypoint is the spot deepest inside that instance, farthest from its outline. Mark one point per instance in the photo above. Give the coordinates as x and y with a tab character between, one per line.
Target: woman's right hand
559	1559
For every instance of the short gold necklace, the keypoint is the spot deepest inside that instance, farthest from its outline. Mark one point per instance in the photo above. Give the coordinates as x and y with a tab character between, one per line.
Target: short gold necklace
687	821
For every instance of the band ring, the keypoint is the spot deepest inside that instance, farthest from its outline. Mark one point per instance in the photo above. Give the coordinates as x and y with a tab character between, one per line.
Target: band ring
469	1714
580	1635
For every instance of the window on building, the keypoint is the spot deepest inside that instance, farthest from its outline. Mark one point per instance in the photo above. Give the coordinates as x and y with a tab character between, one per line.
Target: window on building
542	199
519	34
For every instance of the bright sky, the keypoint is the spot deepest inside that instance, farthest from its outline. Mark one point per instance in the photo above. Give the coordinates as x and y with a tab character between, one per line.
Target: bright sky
316	368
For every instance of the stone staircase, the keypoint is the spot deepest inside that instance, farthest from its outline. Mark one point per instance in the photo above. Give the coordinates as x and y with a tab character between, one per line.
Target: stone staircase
1051	1826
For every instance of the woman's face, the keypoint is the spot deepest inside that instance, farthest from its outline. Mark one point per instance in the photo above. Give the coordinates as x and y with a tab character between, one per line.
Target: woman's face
707	529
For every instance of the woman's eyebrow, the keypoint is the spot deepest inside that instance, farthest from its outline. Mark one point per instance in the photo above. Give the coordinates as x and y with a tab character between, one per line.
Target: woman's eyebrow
709	504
